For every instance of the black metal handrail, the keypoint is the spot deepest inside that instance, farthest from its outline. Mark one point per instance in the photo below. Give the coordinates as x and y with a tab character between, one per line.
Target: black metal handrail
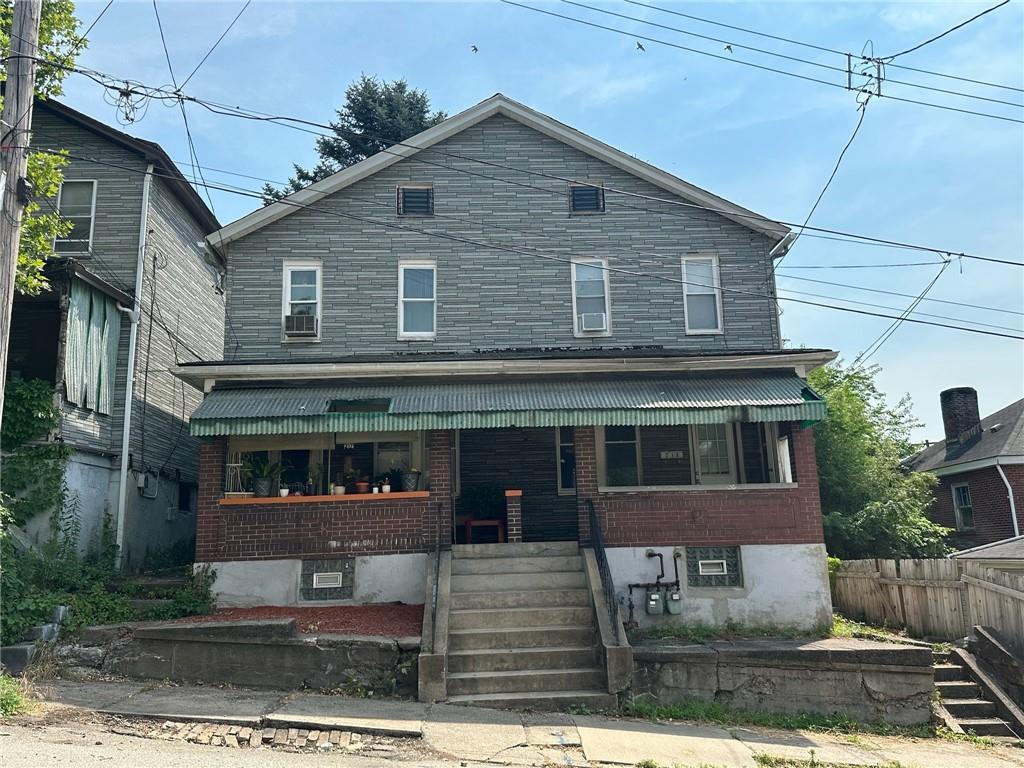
597	540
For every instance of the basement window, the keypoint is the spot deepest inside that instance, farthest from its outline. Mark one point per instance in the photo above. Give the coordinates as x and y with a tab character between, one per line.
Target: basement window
327	580
713	567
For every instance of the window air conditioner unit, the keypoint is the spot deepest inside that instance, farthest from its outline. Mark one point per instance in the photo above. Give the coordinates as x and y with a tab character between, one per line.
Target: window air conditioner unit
300	325
593	321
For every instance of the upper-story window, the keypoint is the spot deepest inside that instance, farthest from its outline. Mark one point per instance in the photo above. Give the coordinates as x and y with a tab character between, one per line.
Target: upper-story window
416	200
591	316
963	507
702	294
301	302
76	202
417	304
586	198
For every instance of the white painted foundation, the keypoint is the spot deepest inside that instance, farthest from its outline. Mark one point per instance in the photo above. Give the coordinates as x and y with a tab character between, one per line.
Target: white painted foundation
784	585
378	579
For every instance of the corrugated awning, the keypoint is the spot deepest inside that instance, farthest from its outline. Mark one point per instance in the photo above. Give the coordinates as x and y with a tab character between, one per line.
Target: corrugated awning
549	403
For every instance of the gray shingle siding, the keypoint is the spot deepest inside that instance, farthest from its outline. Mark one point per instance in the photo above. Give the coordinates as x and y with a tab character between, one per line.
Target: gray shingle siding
489	298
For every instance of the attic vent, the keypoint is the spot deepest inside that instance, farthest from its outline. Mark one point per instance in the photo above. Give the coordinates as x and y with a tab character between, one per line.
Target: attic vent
416	201
586	198
377	405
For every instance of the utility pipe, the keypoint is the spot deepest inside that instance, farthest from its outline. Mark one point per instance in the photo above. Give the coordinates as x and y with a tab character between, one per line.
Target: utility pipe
1009	495
133	314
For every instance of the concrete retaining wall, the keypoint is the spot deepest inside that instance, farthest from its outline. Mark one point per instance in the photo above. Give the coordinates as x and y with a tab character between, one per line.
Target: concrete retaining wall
784	585
867	681
258	653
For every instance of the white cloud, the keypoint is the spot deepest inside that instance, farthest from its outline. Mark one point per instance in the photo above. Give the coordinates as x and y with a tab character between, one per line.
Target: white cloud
595	86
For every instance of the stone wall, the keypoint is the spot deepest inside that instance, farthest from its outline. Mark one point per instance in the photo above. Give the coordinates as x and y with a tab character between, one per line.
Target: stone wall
259	653
864	680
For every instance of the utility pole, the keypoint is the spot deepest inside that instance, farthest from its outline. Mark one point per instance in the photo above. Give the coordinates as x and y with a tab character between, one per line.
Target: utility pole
16	128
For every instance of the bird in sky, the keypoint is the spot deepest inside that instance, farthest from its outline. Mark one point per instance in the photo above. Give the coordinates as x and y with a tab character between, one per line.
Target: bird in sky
474	49
639	46
728	48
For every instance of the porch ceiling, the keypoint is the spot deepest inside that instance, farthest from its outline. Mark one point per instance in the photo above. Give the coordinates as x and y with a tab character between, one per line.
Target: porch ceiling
549	403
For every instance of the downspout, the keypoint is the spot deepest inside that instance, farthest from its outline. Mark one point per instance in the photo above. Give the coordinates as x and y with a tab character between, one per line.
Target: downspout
1009	495
133	314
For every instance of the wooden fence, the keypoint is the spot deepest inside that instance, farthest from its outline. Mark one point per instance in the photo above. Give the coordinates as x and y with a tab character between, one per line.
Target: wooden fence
938	599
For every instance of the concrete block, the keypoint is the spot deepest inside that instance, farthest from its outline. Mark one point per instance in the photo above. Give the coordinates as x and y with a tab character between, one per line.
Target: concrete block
14	658
74	655
42	632
59	614
519	617
431	682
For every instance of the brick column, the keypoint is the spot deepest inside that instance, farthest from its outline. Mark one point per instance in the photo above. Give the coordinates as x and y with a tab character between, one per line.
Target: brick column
440	449
585	442
513	516
212	458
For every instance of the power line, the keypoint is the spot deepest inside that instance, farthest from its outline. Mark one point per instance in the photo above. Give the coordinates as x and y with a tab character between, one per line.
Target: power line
948	31
547	255
846	70
222	36
775	70
821	48
860	266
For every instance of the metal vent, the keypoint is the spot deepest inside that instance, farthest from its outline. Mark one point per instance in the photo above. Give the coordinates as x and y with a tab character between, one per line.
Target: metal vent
586	199
415	201
327	580
300	325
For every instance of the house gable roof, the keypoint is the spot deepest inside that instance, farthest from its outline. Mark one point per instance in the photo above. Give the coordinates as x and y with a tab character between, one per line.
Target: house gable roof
498	104
151	151
1002	436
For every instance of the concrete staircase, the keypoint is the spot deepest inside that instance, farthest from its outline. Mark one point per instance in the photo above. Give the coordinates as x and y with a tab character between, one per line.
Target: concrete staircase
964	700
521	629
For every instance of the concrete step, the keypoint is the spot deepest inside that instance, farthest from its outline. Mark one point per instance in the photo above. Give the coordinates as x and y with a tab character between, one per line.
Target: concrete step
525	681
958	689
986	726
521	637
527	598
503	618
521	549
540	700
525	564
509	659
969	708
518	581
949	673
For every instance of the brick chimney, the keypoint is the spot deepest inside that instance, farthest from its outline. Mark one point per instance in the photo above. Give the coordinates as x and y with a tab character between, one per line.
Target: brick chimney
960	416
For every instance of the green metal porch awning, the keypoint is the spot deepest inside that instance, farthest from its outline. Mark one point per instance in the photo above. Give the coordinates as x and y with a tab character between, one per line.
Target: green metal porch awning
269	410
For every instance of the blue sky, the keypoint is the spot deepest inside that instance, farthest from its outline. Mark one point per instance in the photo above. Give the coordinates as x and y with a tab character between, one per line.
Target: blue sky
766	141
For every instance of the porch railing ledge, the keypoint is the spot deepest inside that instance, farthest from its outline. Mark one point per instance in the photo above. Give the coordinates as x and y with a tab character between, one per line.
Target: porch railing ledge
694	488
395	496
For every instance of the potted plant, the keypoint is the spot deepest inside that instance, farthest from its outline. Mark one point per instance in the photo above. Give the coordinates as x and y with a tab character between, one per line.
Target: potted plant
363	484
348	480
411	480
265	475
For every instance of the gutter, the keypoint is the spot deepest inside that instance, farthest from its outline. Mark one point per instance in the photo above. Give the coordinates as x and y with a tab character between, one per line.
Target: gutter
133	314
1009	495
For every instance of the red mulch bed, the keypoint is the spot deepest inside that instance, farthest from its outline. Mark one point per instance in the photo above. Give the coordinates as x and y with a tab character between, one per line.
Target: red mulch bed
385	620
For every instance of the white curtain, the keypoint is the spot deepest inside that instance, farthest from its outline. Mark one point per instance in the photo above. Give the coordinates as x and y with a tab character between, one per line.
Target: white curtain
90	355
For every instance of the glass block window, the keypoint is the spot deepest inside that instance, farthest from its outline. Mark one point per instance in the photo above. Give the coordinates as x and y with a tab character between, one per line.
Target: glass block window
327	579
713	567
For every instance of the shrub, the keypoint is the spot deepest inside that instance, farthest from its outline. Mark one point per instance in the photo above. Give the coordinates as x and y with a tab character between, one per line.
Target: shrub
12	697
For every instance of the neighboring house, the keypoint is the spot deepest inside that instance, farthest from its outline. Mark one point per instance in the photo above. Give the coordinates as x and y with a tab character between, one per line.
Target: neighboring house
980	466
137	243
1005	555
522	354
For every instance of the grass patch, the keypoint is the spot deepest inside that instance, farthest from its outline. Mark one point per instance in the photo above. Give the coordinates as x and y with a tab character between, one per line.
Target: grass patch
770	761
844	627
731	630
14	697
719	714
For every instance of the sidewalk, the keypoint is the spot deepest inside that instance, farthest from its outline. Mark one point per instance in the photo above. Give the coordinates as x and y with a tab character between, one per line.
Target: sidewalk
513	738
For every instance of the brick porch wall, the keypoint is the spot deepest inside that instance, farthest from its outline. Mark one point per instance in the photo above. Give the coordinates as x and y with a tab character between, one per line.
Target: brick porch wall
991	506
764	515
323	528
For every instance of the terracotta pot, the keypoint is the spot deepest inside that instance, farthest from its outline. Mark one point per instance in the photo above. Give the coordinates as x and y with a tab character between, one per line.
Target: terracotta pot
362	487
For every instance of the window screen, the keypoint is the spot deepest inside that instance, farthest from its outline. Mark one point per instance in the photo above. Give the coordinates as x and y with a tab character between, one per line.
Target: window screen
75	204
416	287
620	456
701	295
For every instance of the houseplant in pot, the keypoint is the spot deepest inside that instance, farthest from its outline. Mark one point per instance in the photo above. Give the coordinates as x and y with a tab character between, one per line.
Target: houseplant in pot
410	480
265	475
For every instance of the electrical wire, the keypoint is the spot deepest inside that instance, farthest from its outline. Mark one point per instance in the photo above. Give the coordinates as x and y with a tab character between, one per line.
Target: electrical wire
548	255
219	39
815	47
948	31
763	67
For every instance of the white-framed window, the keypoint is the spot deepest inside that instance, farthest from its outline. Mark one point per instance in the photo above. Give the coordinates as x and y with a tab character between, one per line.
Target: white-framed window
586	198
301	299
621	457
328	580
415	200
963	507
712	567
702	295
417	302
590	310
713	451
76	202
565	454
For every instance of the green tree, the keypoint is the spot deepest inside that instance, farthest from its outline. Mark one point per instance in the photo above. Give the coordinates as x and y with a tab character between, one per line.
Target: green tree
872	506
59	45
376	115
